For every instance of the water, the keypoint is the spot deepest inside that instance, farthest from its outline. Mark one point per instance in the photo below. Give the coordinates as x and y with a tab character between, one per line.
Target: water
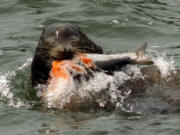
116	25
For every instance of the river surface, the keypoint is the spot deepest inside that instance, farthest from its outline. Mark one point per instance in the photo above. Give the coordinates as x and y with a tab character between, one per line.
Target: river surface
116	25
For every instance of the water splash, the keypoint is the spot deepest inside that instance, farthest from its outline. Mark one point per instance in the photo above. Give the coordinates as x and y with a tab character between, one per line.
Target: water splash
6	87
166	65
58	93
5	90
26	64
102	89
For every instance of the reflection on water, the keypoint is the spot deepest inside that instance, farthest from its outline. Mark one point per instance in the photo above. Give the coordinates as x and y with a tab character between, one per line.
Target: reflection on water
117	25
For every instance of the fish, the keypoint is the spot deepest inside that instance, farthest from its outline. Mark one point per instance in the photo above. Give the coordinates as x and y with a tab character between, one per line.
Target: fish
108	61
60	92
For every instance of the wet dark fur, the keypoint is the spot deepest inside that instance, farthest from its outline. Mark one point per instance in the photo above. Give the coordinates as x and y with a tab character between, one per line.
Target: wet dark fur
57	42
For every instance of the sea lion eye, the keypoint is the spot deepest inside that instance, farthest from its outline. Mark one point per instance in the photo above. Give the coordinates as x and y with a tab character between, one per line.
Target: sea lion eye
57	33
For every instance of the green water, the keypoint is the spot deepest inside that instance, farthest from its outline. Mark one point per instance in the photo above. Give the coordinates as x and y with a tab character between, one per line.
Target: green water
119	25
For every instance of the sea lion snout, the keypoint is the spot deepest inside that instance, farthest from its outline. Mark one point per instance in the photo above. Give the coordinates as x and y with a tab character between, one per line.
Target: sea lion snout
61	52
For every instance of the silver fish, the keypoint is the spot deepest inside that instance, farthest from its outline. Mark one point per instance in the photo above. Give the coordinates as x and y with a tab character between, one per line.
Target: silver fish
107	61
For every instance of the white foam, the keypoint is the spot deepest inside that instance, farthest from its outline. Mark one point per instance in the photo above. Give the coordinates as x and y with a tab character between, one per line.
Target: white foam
97	89
6	87
167	66
58	93
115	21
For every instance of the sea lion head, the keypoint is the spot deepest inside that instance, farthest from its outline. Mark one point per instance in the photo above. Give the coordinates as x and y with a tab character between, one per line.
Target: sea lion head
59	42
60	33
64	40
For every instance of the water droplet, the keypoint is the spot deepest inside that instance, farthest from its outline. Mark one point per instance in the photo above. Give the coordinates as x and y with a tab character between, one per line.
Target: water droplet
123	24
150	23
40	26
115	21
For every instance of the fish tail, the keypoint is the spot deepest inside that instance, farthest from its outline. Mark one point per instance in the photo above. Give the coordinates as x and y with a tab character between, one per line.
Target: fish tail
142	57
142	50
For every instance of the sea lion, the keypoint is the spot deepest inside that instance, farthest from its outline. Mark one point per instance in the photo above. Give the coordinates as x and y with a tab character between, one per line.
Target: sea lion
58	41
65	42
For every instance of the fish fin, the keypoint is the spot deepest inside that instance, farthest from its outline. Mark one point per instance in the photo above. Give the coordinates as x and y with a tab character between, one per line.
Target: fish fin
142	57
142	50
